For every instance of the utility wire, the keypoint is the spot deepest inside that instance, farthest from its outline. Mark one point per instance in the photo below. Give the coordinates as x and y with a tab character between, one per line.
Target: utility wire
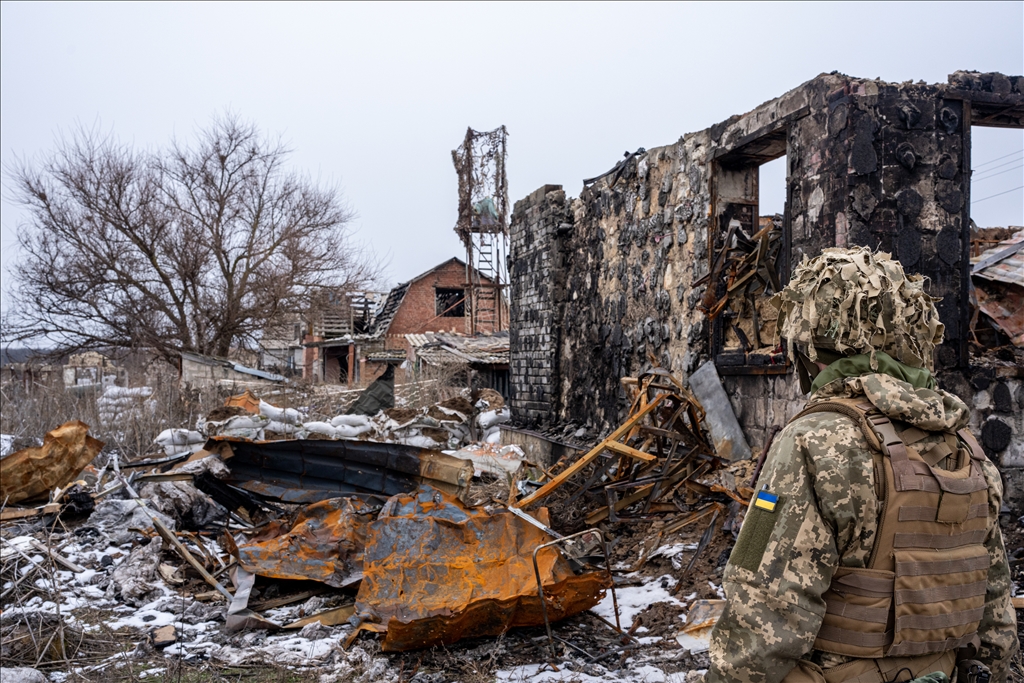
991	196
1005	163
978	180
998	158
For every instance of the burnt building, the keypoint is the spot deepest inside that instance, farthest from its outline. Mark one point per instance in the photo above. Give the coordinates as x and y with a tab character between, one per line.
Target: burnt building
627	271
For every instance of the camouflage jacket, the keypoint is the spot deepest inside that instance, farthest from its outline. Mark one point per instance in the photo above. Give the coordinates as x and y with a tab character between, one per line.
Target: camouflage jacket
820	466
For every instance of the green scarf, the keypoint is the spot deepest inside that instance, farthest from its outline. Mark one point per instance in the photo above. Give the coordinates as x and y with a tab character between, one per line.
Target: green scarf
855	366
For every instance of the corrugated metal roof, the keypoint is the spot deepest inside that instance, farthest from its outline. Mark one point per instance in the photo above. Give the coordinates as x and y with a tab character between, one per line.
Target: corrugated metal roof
437	348
1003	262
237	367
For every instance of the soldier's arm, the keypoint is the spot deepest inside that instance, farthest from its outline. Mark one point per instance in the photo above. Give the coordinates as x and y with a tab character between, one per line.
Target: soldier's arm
998	628
820	470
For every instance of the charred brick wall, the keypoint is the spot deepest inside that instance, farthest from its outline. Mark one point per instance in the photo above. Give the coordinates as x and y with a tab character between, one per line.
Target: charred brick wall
537	295
868	163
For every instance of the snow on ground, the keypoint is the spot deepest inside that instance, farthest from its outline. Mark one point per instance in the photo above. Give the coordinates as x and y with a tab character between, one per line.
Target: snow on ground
6	444
632	673
635	599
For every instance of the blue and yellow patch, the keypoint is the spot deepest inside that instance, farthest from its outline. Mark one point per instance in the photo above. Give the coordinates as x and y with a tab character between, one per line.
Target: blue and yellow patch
766	501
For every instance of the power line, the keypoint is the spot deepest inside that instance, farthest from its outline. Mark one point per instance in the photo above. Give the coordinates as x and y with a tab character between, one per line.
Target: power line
1005	163
975	201
998	158
978	180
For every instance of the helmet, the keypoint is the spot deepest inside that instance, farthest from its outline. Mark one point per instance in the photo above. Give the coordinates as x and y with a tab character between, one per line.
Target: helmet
849	301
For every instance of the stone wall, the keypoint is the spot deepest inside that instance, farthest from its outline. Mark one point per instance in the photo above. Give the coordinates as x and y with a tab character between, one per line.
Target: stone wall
604	283
997	419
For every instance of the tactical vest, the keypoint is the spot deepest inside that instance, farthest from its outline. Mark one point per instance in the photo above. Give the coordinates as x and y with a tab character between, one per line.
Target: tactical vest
923	591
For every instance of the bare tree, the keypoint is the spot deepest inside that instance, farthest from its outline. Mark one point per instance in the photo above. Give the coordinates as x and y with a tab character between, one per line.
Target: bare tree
192	248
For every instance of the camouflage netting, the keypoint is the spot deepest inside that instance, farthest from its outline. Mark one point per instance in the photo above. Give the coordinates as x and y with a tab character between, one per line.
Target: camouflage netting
854	301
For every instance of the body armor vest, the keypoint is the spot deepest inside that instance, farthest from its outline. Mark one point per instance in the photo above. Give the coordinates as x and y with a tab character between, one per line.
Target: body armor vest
923	590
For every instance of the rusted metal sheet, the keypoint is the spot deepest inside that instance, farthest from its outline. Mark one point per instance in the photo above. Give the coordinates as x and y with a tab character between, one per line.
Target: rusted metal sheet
32	472
308	470
1004	262
322	542
1006	309
435	571
246	400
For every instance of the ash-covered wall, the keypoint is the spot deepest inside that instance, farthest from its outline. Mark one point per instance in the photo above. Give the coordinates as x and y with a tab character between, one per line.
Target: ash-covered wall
603	282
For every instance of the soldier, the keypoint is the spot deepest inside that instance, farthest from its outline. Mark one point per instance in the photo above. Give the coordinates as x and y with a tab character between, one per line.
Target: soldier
871	551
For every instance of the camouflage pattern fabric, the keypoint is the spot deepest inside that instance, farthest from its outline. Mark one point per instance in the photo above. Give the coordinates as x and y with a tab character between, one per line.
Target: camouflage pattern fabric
820	467
856	301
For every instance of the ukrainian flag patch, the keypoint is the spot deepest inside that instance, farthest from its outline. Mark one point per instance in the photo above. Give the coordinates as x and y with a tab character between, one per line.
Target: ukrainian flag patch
766	501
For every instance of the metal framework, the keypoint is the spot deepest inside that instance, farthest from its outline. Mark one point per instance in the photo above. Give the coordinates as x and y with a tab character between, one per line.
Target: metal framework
482	224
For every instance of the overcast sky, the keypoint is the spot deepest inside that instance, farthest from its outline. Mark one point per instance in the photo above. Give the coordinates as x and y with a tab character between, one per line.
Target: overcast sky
373	98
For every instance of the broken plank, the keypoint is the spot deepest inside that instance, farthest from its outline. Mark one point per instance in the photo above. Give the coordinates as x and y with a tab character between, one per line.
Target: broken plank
331	617
9	514
168	536
208	595
274	603
623	449
57	557
543	491
600	514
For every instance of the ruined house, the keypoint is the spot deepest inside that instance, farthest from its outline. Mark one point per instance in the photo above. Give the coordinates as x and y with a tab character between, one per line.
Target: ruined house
624	272
355	346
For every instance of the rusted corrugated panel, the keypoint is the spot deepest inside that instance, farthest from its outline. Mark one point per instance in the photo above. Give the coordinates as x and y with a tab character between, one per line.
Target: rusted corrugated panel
323	542
310	470
1006	310
65	452
435	571
247	401
1003	262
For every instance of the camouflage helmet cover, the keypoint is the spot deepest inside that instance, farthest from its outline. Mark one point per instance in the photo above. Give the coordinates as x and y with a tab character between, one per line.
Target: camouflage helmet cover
851	301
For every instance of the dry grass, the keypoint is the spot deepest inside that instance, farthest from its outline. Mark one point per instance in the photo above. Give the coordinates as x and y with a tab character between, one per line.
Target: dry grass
28	412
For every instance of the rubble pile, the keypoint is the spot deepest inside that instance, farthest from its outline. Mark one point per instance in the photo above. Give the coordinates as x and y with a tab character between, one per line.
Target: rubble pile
361	553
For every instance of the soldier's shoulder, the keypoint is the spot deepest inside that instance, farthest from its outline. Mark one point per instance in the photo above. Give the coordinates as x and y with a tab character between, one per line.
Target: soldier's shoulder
824	422
823	433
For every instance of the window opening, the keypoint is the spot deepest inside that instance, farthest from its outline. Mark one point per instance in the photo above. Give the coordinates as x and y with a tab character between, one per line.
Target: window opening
451	303
996	217
750	259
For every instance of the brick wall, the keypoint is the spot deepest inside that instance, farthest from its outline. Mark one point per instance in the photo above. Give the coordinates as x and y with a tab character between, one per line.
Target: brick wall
537	294
418	312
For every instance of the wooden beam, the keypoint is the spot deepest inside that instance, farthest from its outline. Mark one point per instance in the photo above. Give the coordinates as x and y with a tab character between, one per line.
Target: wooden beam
543	491
623	449
8	514
602	512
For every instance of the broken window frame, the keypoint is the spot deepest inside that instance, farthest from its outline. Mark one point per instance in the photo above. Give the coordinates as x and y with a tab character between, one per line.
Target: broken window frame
735	176
979	110
453	305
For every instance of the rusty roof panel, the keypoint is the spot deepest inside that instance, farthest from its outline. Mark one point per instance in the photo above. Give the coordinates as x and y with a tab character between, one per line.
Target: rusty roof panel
436	571
1003	262
323	542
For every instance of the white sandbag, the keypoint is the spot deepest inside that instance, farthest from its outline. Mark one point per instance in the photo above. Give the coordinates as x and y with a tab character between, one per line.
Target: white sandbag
324	428
347	432
350	421
420	441
178	437
281	427
490	418
275	414
242	426
492	434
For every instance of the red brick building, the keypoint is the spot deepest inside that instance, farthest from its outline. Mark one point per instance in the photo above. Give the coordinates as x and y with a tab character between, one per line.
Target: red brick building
438	300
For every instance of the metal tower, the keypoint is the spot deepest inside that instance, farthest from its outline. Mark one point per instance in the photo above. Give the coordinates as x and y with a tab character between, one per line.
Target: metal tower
482	224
